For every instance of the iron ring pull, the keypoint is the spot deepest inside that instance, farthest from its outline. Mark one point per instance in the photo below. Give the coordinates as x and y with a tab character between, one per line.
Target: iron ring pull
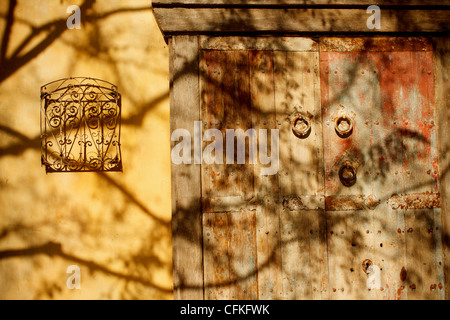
347	174
343	126
301	125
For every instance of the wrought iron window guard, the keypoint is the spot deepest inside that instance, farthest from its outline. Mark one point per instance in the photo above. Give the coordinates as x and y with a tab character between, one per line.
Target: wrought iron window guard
80	126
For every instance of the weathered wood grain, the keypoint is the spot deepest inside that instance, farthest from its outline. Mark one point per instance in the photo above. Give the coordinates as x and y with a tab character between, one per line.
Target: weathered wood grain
441	62
186	190
272	237
180	20
288	3
230	255
266	187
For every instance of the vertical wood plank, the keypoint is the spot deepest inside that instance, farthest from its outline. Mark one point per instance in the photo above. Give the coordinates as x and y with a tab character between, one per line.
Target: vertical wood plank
186	184
226	106
243	255
303	232
441	61
303	254
230	237
421	244
216	256
319	256
212	114
230	255
266	187
296	248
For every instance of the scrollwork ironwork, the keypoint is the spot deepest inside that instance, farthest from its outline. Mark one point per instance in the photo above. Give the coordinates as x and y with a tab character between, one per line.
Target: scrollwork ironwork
80	126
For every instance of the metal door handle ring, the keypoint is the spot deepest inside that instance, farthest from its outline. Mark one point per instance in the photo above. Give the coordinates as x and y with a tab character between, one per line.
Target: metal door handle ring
301	126
347	174
344	126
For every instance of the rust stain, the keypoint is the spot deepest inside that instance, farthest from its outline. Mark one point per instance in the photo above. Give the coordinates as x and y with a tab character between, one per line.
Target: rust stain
372	202
351	202
340	203
375	44
403	274
399	292
414	201
293	203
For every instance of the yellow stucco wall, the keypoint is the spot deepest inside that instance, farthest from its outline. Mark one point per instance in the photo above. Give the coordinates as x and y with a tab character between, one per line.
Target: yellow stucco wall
114	226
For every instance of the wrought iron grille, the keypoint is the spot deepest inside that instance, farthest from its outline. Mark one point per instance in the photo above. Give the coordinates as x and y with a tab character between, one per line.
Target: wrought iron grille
80	126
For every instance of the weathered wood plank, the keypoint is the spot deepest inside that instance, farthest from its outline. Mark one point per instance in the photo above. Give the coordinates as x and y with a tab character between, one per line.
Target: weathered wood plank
423	243
387	250
319	256
243	255
186	192
441	62
226	108
216	256
258	43
295	20
295	253
230	255
297	89
289	3
304	255
266	190
212	115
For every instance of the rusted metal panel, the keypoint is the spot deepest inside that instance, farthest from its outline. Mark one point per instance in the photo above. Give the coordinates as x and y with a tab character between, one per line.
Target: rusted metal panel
387	87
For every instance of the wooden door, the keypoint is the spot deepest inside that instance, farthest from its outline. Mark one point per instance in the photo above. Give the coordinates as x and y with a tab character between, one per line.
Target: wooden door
263	235
311	230
389	217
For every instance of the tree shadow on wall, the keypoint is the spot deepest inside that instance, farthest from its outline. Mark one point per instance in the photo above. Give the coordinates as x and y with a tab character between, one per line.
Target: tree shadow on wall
290	252
137	277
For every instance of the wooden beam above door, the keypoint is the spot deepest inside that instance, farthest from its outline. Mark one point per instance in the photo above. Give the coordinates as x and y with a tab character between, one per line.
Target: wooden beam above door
271	17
